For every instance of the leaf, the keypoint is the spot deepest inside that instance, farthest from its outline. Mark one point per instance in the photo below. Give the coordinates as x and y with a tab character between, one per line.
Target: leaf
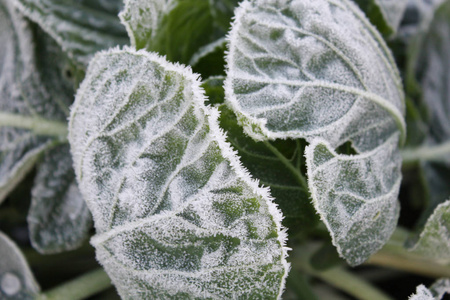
209	60
434	241
334	82
432	70
16	280
277	165
384	14
81	28
176	214
176	28
27	88
436	291
59	219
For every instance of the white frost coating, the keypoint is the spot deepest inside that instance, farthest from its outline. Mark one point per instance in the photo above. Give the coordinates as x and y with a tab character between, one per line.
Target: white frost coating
434	240
16	280
335	72
142	18
356	196
335	81
79	31
436	291
58	219
169	197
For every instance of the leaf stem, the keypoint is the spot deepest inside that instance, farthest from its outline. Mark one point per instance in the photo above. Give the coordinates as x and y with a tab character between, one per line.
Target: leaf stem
301	179
343	280
79	288
38	125
395	255
426	153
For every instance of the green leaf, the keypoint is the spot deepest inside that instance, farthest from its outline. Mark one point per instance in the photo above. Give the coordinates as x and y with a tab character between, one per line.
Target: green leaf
81	28
334	82
436	291
277	165
32	101
59	219
176	214
16	280
384	14
209	60
176	28
434	241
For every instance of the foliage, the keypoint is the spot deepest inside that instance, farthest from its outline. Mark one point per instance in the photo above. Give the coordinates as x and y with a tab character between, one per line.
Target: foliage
221	137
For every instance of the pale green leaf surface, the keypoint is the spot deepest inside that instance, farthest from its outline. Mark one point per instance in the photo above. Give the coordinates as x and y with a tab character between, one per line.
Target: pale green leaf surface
436	291
16	280
26	86
384	14
434	240
176	214
58	219
335	81
81	28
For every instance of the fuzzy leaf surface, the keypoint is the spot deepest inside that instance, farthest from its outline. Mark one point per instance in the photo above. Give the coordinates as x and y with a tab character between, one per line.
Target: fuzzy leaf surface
80	27
30	88
336	81
58	219
434	241
16	280
176	214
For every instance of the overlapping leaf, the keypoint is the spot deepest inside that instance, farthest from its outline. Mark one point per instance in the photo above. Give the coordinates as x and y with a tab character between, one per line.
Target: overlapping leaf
176	28
81	28
22	94
58	219
16	280
335	80
176	214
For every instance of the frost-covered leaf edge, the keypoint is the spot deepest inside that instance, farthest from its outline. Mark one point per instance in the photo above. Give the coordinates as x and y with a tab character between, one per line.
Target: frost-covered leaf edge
212	115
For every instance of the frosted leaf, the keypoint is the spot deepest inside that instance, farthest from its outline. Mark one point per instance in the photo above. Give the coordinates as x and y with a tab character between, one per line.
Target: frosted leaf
81	28
174	28
335	81
418	16
436	291
432	71
384	14
176	214
434	240
59	219
356	196
16	280
29	88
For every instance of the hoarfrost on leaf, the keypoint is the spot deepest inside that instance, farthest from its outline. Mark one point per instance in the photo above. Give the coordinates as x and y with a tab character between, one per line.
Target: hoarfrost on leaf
175	212
80	28
436	291
336	81
16	280
59	219
29	92
434	240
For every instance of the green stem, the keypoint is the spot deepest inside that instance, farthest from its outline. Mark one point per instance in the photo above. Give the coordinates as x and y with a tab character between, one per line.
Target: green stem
38	125
301	179
80	288
394	255
426	153
344	280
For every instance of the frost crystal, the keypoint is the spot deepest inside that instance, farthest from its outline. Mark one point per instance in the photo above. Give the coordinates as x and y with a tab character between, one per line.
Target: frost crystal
176	214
